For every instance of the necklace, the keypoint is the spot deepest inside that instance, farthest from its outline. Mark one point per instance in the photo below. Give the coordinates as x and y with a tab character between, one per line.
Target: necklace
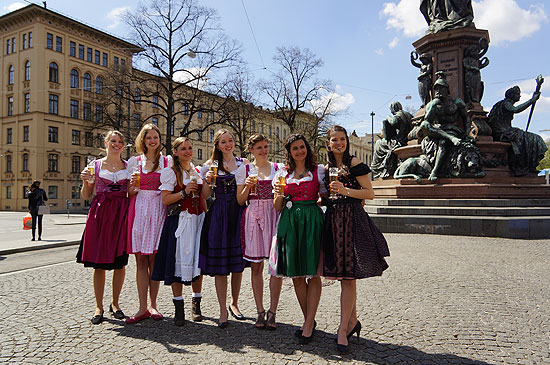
110	167
226	163
301	175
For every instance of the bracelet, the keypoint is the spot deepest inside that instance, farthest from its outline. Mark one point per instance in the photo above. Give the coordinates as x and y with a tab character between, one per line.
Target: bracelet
183	194
347	191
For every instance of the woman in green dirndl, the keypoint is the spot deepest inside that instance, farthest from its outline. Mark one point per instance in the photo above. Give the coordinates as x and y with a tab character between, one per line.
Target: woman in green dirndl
300	227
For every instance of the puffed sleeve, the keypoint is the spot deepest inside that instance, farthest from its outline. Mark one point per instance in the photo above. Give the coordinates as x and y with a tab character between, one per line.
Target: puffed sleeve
168	179
240	175
132	164
170	161
359	170
321	177
203	170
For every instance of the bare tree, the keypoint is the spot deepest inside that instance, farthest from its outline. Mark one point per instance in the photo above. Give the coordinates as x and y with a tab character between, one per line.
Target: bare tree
299	99
183	46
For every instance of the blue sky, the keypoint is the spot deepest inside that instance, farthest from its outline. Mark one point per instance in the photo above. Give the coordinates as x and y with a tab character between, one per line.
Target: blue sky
366	46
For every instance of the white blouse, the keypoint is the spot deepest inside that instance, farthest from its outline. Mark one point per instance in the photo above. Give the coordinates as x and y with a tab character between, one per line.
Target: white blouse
309	176
240	174
114	176
168	179
133	163
206	166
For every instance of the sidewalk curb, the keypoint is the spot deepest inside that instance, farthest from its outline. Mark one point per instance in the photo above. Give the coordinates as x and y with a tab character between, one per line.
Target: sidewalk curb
11	251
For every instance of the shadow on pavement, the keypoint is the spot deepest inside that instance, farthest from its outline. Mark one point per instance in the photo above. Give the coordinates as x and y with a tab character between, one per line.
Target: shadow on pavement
240	337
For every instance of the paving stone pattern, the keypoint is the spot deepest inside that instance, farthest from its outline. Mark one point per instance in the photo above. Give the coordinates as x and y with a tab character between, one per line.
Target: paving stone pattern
444	300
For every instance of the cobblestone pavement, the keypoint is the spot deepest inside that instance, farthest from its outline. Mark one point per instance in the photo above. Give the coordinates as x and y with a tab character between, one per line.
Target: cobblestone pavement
444	300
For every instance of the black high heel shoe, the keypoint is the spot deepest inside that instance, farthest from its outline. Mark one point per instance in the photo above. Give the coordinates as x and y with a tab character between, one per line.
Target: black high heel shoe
97	318
298	332
343	349
356	329
117	314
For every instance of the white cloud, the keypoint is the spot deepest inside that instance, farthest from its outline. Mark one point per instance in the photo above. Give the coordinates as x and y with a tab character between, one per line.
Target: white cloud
114	16
190	74
545	136
528	87
393	43
494	15
338	102
13	7
379	51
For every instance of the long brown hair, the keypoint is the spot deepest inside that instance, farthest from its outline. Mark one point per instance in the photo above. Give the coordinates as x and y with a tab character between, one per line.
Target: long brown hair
346	158
142	148
216	153
311	160
176	165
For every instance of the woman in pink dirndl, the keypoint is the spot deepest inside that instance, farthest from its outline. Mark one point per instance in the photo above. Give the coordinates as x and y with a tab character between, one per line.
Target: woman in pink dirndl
103	244
146	216
259	224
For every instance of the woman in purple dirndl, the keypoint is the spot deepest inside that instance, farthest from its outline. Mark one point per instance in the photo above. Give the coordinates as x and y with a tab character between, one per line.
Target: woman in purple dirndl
103	244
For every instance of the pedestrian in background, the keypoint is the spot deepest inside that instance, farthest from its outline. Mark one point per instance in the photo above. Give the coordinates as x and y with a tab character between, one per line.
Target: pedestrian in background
221	252
259	224
103	245
37	196
177	260
297	189
353	247
146	215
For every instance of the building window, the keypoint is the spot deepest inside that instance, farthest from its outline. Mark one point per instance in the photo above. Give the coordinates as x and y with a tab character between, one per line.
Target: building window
105	60
185	109
199	113
155	121
97	57
269	131
211	116
73	112
72	49
8	46
59	44
54	72
99	140
86	111
10	105
155	101
88	139
171	128
52	192
75	193
9	136
199	153
27	102
81	51
8	163
25	41
53	104
211	135
76	137
284	134
99	113
49	41
25	162
99	85
137	120
27	70
25	133
53	134
10	75
75	165
30	39
87	82
13	45
137	95
8	192
89	53
199	135
115	61
74	79
122	62
53	162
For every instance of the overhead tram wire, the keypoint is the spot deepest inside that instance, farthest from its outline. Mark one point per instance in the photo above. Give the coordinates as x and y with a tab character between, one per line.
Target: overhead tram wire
253	35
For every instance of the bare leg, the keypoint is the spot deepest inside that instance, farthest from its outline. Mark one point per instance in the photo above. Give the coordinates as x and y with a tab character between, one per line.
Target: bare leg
300	288
99	288
221	291
258	284
347	302
118	280
196	286
142	280
153	285
177	289
275	285
236	279
313	298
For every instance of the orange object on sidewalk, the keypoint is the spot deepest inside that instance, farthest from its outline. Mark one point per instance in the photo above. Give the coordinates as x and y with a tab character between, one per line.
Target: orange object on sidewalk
27	222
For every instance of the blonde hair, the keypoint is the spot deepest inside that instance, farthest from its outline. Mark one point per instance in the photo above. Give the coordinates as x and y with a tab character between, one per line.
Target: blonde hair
216	153
142	148
176	166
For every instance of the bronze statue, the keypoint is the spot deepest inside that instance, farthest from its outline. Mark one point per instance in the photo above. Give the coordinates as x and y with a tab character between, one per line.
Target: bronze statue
425	77
440	126
527	148
473	62
395	129
442	15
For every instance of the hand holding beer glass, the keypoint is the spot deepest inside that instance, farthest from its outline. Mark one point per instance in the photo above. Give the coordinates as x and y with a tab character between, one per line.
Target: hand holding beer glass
333	175
194	179
136	177
88	173
253	175
280	185
214	169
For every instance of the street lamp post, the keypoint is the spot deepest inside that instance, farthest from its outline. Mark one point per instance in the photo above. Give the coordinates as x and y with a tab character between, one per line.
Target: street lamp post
372	142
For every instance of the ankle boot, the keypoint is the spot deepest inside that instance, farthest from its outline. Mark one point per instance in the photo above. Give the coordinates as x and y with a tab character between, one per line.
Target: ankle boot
179	317
196	309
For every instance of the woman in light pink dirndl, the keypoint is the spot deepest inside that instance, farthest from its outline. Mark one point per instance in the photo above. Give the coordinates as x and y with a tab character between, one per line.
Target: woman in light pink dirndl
146	216
103	244
259	224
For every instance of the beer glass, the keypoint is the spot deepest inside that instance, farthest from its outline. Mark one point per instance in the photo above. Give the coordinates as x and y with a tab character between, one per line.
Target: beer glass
333	175
214	169
194	178
91	167
253	173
